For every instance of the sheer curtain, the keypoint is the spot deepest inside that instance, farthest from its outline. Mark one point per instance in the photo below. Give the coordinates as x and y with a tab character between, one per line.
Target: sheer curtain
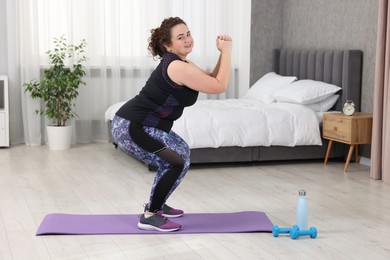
119	63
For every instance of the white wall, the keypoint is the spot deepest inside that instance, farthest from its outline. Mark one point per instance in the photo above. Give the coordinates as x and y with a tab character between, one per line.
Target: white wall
3	37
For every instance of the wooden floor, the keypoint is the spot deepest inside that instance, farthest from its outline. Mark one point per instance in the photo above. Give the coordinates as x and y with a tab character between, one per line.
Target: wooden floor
350	211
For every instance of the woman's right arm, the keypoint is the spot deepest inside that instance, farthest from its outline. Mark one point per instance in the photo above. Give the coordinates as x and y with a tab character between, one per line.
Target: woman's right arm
190	75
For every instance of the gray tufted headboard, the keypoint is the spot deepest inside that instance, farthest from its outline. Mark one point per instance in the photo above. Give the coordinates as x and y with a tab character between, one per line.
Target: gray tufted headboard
339	67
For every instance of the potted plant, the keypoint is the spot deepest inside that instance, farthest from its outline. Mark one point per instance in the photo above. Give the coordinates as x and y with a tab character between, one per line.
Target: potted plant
58	88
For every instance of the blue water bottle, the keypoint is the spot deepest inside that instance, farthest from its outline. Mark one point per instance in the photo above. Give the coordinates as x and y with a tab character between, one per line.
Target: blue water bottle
302	211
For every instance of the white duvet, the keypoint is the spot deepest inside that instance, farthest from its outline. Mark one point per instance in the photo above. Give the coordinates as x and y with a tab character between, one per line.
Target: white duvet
244	122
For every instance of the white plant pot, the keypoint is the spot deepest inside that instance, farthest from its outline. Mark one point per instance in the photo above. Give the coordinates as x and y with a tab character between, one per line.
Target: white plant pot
59	137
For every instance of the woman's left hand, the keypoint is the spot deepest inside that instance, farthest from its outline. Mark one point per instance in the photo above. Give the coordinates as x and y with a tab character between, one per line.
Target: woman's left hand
224	37
224	42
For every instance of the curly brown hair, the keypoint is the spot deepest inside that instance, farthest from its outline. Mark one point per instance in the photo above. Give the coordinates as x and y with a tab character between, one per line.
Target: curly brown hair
162	35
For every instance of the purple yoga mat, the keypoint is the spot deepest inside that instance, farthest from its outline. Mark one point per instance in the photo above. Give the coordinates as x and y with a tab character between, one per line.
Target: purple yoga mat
72	224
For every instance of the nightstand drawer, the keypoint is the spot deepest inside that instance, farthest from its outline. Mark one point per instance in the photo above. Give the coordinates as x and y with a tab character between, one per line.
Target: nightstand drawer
337	128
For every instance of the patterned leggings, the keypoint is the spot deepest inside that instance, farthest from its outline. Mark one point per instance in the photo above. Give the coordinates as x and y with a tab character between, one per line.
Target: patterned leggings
170	170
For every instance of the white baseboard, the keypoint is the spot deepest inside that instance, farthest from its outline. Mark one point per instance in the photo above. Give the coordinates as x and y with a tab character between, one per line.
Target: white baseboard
365	161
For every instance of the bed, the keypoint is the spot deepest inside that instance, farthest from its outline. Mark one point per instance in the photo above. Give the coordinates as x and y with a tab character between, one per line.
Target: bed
220	131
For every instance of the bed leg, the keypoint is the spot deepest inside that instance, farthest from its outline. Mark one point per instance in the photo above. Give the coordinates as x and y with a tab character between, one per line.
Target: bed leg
116	146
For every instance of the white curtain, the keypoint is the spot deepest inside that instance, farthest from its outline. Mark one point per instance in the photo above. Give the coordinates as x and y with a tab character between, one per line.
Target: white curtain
118	63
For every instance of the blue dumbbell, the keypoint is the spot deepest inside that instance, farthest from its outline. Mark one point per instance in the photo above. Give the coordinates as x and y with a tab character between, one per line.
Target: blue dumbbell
277	230
312	232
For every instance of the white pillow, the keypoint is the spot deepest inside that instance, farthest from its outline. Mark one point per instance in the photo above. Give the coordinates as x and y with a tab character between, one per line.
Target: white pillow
266	86
325	104
306	91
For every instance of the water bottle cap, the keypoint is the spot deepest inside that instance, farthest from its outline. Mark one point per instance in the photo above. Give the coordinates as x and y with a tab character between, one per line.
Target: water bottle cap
302	193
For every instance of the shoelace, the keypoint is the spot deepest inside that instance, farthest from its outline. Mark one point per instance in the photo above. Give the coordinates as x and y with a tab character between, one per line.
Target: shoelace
157	213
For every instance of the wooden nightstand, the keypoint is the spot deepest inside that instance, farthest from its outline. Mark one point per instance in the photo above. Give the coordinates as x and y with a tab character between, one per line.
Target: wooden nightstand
352	130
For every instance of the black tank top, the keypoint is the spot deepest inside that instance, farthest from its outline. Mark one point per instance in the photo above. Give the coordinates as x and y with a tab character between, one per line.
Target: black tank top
161	101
